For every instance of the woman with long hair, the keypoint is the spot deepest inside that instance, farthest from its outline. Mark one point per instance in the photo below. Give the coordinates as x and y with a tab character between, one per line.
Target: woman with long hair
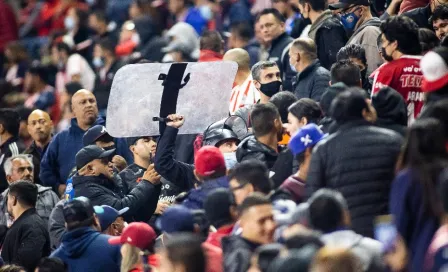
414	201
137	242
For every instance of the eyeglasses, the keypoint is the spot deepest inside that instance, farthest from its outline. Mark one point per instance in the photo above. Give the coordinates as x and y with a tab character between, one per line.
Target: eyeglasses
346	11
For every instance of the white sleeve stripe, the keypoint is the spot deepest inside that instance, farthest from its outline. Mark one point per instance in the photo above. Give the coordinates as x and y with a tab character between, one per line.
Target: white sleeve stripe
14	149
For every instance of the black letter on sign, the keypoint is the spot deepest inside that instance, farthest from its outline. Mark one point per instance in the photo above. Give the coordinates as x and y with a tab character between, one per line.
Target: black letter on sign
172	83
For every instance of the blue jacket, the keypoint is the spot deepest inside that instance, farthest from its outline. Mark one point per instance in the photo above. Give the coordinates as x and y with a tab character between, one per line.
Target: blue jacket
85	249
59	159
196	197
416	228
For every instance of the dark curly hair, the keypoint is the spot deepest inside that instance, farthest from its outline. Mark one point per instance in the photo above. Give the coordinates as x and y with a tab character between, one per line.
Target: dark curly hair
403	30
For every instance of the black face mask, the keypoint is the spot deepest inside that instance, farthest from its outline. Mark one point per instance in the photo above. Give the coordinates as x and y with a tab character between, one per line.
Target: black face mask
271	88
385	55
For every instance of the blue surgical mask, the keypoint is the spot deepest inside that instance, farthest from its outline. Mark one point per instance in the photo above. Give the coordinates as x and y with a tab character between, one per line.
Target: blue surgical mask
69	23
230	159
349	21
98	62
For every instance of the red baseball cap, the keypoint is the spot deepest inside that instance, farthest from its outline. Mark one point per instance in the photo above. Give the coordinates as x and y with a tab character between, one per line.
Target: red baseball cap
208	159
136	234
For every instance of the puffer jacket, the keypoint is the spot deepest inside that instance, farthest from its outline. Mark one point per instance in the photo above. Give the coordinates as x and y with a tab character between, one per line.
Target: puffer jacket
367	250
250	148
359	161
312	82
46	200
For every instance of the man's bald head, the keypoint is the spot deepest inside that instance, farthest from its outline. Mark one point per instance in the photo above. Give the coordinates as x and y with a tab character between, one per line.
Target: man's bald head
84	108
40	126
240	56
306	47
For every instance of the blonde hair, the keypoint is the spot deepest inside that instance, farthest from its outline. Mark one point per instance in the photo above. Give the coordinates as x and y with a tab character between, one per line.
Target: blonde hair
130	258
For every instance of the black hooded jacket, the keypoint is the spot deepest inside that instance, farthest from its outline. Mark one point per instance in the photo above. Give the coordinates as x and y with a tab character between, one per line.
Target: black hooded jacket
391	110
250	148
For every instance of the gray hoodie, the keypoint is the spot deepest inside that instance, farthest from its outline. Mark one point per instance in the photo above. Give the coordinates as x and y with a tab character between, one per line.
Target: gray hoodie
369	251
366	35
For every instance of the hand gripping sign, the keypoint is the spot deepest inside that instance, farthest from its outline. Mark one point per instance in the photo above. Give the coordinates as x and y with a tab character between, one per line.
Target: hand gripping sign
141	92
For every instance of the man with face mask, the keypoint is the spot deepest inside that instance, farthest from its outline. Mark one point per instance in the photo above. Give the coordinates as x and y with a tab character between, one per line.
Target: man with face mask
363	28
106	65
267	79
401	47
94	181
268	131
326	30
312	79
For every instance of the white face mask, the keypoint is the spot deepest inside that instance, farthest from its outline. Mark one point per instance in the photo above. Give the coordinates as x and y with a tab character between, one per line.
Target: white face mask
69	23
230	159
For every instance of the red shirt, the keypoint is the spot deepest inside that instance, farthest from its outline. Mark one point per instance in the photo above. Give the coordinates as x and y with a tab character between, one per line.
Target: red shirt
214	238
405	76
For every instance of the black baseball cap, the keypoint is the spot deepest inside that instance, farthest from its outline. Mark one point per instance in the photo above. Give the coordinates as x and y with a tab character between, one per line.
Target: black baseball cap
94	133
90	153
342	4
77	210
132	140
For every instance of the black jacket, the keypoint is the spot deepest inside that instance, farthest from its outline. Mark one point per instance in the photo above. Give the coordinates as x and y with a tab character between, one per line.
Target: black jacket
420	16
312	82
359	161
285	166
27	241
279	53
8	149
142	199
37	157
237	253
103	86
250	148
181	174
330	37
